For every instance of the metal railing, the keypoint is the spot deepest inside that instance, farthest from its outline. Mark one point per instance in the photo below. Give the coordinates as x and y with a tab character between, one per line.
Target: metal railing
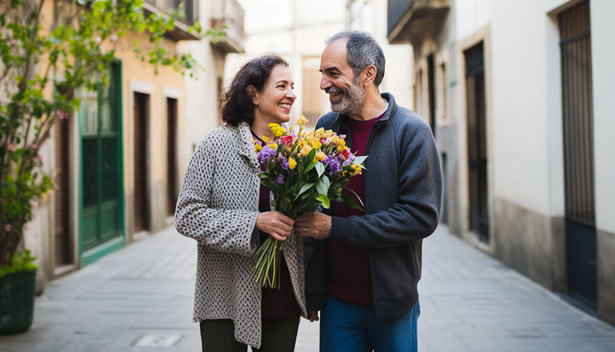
231	14
187	10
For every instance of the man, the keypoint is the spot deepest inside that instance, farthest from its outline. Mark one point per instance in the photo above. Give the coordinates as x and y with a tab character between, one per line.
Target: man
363	268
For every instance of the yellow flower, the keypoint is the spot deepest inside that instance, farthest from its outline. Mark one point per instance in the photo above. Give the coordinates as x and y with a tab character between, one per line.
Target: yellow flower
320	156
301	121
277	129
341	145
265	139
273	146
257	147
291	163
356	169
305	150
314	142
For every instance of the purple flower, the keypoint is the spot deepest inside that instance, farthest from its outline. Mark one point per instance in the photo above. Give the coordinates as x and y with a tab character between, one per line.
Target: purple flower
349	160
280	179
265	154
283	162
333	163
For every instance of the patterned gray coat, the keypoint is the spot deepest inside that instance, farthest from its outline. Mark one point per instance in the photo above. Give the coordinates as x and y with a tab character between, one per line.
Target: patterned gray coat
217	207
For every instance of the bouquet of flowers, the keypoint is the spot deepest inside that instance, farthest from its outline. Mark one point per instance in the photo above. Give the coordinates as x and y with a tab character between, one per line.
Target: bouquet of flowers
303	169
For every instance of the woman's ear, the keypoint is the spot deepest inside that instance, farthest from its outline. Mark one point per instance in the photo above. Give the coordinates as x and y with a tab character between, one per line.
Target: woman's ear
252	93
369	74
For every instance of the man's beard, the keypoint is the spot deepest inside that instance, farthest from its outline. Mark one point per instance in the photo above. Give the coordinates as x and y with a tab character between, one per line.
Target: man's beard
351	99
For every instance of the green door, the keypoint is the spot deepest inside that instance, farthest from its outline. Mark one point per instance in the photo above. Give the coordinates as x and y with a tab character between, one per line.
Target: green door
101	225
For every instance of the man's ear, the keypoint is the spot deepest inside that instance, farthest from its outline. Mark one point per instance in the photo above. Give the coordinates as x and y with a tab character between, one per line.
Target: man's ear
369	74
252	93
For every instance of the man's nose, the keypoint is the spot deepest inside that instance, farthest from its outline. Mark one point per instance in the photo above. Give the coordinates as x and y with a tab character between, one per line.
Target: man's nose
324	83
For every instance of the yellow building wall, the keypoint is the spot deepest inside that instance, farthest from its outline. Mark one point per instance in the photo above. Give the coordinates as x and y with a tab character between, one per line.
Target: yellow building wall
137	75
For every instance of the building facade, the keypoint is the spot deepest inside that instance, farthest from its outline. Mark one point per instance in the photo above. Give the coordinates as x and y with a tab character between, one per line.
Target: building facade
120	159
516	94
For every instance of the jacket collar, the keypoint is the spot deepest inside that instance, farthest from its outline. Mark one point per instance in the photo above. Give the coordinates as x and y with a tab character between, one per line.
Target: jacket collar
245	144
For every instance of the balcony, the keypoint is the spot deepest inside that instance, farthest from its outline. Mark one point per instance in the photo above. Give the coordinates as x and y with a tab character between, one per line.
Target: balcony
188	15
228	13
413	20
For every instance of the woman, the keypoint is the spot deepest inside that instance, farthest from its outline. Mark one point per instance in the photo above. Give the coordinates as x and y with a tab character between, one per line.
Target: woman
223	207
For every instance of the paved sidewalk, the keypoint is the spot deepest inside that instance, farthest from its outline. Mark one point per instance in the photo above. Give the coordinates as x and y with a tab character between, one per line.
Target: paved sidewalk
140	299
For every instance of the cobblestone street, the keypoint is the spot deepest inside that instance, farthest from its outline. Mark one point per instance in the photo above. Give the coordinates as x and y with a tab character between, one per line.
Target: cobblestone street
140	297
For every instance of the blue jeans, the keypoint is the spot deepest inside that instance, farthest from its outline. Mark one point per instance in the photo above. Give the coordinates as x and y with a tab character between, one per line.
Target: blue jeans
346	327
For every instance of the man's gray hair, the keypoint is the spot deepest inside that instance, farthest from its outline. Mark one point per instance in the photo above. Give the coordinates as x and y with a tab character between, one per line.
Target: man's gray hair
362	52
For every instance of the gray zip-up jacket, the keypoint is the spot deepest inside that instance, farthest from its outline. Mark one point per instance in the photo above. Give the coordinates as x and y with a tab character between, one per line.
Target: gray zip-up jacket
403	187
217	207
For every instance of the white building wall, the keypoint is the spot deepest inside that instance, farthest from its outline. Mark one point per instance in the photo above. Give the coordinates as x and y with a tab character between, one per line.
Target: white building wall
526	157
470	15
603	58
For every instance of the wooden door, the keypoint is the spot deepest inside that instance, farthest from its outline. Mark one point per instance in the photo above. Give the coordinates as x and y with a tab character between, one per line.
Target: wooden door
140	176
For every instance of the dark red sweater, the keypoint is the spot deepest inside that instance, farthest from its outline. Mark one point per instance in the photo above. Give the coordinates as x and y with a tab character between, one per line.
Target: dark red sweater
349	277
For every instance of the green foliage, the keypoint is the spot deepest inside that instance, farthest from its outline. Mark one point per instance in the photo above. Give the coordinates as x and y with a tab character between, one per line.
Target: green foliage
20	261
46	59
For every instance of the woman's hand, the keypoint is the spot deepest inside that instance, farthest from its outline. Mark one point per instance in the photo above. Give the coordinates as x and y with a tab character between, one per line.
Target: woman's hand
276	224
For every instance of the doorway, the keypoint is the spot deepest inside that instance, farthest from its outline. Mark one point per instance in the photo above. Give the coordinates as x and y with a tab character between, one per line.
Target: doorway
140	176
171	155
580	224
431	82
101	165
477	141
62	243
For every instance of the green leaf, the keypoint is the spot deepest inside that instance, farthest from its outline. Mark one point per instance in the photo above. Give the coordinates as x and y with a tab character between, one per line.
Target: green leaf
359	159
349	201
304	188
309	167
310	157
324	200
320	168
322	187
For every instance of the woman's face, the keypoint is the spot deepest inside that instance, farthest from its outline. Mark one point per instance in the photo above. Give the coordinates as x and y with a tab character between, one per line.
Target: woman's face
277	97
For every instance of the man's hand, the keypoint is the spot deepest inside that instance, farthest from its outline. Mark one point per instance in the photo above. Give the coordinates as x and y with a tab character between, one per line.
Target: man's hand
312	316
276	224
316	225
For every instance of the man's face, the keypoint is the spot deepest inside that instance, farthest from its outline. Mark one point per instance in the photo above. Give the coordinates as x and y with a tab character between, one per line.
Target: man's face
345	93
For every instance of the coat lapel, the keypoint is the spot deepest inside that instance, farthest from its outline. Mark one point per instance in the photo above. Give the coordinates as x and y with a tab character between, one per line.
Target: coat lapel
246	145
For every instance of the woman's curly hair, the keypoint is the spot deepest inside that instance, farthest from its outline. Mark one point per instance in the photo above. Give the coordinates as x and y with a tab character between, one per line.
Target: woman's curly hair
236	102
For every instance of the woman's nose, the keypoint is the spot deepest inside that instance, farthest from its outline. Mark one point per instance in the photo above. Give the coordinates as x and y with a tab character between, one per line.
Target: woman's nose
290	93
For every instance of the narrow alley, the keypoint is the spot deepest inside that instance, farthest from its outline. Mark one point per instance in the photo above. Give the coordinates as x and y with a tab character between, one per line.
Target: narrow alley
139	298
